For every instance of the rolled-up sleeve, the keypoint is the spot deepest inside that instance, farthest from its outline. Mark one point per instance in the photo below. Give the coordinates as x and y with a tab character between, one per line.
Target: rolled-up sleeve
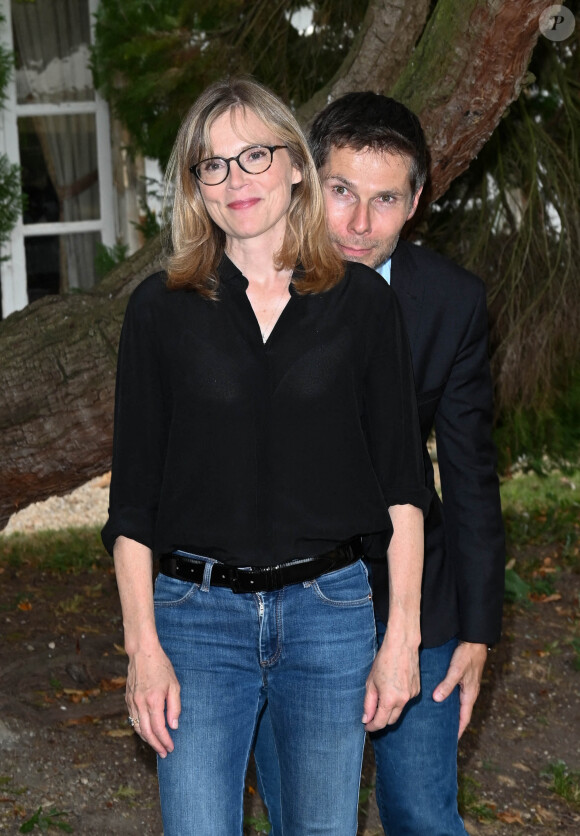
391	415
140	434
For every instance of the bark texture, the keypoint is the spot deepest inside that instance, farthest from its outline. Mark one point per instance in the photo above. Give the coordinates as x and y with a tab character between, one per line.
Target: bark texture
57	382
468	67
58	355
378	55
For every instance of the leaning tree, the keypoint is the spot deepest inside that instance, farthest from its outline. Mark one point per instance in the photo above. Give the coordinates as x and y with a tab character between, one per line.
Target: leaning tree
459	64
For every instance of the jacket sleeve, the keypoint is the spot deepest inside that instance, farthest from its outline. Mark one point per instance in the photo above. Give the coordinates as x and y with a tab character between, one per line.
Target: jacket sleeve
140	431
470	489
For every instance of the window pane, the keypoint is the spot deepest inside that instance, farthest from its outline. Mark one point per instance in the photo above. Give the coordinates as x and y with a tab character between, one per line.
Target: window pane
59	263
51	42
60	175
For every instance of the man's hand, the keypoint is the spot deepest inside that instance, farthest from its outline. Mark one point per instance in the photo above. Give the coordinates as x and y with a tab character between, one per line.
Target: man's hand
394	680
465	670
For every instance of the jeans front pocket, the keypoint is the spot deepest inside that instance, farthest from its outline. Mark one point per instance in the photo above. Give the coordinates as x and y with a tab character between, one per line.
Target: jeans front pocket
348	587
170	592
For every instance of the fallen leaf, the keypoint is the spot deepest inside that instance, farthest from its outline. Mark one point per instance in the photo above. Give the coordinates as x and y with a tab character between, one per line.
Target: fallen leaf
76	696
113	684
24	605
546	599
507	781
85	720
119	733
522	767
544	815
511	817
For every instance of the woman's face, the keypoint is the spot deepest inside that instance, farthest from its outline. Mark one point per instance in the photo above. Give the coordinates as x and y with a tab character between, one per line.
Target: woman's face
249	206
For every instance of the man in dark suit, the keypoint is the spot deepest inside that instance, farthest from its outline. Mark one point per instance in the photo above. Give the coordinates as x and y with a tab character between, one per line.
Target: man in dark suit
371	154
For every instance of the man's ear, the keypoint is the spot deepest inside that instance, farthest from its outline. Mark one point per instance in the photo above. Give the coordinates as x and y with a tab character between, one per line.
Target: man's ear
416	197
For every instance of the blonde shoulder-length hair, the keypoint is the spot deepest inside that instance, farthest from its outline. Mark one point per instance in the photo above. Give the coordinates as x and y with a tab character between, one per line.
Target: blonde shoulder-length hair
198	243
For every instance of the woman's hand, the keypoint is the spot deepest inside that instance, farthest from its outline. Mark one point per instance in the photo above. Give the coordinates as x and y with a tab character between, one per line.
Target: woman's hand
152	697
395	678
393	681
152	688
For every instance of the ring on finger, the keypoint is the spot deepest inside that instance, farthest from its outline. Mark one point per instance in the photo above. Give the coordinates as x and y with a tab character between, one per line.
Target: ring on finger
133	721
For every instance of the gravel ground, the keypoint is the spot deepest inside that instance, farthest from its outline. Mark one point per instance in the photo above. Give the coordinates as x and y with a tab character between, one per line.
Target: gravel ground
86	505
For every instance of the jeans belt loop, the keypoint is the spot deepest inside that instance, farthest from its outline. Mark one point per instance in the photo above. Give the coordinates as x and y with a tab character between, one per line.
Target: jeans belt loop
205	585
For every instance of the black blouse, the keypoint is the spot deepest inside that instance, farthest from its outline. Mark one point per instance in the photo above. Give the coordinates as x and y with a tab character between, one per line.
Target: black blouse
252	453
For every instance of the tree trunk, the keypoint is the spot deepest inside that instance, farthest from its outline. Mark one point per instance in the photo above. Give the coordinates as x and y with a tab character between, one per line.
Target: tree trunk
57	381
58	355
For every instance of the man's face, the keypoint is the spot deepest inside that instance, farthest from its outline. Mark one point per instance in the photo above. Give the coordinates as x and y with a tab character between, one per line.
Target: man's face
368	198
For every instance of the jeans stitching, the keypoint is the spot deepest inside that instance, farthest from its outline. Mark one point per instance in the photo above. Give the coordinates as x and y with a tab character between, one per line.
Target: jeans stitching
192	589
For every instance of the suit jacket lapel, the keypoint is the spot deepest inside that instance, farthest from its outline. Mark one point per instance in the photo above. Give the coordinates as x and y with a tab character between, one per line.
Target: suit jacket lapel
409	287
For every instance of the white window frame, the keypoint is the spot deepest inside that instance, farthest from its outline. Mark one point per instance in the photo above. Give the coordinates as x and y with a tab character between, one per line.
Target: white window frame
13	268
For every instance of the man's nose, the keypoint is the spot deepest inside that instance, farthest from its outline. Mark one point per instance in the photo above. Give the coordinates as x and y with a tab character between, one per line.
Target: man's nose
360	220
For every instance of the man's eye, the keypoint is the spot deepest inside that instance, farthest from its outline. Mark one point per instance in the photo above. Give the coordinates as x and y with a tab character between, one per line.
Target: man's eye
340	190
386	198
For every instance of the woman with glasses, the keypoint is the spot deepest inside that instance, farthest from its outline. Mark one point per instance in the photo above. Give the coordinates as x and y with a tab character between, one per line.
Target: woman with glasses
265	428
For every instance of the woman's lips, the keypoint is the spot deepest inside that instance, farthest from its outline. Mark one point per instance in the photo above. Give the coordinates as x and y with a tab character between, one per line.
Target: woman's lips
243	204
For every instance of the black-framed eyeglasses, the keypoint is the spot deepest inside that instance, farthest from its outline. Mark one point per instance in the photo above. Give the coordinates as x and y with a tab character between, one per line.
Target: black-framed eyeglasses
254	160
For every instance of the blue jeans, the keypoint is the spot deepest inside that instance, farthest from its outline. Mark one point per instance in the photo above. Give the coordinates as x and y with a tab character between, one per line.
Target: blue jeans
306	650
416	759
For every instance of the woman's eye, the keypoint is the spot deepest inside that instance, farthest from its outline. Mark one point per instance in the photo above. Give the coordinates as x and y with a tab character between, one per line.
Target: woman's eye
213	165
255	154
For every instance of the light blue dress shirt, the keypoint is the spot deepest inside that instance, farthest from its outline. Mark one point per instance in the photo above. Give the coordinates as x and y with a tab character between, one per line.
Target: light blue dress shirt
385	270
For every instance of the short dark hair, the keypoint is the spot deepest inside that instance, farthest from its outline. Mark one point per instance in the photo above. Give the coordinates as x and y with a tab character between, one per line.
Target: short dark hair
370	120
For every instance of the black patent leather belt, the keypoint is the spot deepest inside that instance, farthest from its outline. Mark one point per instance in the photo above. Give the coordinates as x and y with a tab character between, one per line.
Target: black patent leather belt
263	578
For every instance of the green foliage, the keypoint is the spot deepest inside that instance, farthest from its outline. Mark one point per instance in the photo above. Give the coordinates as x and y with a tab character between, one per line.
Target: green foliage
11	197
149	226
514	219
109	257
44	821
151	60
565	782
546	436
517	591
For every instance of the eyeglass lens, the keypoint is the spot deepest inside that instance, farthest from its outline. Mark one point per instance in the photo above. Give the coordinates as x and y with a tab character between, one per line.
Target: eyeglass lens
254	160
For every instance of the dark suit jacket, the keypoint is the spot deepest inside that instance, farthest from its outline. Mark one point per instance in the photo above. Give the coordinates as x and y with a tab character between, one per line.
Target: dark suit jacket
445	313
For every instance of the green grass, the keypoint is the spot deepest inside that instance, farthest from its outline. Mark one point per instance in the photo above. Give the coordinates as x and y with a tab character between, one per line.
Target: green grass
469	802
260	823
539	512
67	550
564	782
52	818
542	508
